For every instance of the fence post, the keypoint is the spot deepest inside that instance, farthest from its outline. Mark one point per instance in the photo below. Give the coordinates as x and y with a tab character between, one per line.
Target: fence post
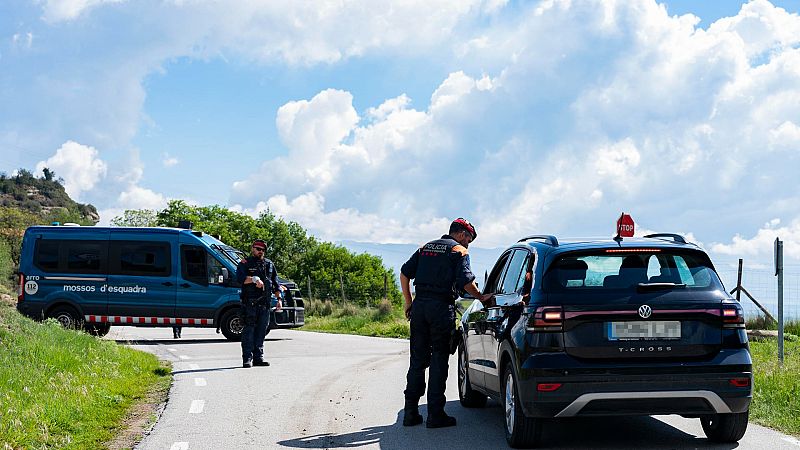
341	283
739	282
779	273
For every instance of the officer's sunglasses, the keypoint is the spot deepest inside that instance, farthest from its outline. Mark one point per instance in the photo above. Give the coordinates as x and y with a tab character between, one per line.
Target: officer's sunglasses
260	249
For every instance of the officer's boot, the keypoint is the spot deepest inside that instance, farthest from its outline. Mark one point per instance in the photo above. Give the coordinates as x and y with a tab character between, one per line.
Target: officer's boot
411	415
440	420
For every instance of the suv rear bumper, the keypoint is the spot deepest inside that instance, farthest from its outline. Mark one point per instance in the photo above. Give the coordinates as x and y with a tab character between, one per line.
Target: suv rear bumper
690	389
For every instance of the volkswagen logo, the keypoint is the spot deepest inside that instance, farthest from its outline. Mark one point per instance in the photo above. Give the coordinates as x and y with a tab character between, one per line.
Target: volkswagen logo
645	311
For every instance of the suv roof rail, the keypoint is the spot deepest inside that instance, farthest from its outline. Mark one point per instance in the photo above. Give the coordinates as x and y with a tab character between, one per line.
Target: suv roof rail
675	237
549	239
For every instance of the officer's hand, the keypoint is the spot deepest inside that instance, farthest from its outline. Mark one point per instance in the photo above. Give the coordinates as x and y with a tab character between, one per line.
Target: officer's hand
279	307
486	299
259	284
408	311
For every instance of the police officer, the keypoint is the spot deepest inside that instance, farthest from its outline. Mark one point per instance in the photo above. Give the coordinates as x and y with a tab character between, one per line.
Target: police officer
440	270
259	278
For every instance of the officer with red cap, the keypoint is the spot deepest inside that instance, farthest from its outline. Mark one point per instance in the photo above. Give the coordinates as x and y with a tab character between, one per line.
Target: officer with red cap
440	270
259	280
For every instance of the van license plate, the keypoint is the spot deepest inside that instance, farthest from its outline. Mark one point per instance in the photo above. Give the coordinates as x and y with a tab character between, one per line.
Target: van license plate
644	330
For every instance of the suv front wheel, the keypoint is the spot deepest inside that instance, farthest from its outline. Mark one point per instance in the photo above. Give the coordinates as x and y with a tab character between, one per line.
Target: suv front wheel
521	431
725	427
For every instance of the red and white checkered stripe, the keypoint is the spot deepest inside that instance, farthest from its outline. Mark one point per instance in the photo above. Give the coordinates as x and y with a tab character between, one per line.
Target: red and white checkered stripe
148	320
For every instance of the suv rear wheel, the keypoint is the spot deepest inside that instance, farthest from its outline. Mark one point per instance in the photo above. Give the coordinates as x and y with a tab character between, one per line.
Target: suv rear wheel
725	427
469	397
521	431
231	325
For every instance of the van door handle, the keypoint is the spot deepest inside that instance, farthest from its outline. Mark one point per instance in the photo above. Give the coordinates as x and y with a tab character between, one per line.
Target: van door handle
167	283
186	285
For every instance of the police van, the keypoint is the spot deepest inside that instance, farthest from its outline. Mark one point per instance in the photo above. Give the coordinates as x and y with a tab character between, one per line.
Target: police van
96	277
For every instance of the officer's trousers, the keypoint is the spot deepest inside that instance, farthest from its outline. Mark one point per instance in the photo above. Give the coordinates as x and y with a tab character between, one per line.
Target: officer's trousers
255	319
432	322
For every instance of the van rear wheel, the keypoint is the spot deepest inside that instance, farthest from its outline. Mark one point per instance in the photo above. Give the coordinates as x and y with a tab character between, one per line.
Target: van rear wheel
97	329
67	316
231	325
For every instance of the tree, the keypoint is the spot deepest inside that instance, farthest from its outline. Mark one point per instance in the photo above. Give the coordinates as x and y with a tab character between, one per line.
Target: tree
136	218
48	174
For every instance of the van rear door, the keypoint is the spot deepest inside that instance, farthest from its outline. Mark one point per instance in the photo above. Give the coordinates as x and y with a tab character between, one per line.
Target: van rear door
141	277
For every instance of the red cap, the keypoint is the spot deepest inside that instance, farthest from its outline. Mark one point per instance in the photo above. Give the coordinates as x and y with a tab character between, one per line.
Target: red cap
260	243
464	223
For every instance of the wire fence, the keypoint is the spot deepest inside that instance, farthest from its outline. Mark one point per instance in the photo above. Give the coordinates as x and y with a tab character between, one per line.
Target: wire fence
348	290
760	281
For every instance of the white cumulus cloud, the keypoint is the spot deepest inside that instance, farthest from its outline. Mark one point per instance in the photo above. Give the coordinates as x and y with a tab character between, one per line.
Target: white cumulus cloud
79	165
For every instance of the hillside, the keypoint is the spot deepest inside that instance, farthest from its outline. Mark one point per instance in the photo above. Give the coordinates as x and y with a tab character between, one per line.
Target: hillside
44	197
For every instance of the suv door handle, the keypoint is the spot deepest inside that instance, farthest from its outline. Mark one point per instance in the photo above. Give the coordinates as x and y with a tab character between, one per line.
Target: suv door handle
185	285
167	283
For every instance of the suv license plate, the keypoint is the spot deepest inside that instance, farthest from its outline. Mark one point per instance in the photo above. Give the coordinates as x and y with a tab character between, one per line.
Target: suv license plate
644	330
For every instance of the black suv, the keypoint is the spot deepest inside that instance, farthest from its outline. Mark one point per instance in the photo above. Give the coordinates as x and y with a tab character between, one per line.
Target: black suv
605	327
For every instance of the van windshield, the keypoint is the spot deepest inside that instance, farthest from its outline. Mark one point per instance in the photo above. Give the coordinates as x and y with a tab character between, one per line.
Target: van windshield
667	269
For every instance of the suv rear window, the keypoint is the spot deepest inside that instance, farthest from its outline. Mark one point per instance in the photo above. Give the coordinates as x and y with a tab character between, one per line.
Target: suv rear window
625	271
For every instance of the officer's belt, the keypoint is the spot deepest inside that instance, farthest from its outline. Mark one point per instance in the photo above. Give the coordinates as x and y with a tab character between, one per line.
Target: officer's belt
435	292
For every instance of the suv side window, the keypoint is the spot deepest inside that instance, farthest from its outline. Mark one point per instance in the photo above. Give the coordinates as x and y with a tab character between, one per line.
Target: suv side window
493	282
515	271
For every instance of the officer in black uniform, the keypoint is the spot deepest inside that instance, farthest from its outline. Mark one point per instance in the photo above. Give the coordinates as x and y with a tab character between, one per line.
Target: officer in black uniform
259	278
440	270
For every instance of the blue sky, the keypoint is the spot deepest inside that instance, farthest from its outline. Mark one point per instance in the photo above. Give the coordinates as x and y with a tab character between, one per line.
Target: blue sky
380	121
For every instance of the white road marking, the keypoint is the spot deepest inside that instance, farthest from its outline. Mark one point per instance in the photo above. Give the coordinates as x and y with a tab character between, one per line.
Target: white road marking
184	357
194	367
197	406
180	446
199	381
173	349
791	440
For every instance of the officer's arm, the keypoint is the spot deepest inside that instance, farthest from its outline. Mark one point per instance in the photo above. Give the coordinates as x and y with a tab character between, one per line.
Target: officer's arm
273	276
405	285
241	274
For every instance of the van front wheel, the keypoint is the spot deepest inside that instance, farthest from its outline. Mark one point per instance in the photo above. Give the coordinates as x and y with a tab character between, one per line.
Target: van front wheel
231	325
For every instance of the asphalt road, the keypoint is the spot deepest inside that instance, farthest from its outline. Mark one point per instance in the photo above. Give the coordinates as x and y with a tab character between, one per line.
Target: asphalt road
340	391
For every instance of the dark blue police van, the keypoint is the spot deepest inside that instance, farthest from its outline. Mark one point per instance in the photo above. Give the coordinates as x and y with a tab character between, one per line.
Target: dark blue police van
96	277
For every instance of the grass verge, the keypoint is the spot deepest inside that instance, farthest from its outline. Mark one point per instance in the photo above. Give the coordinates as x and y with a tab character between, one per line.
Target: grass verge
66	389
776	390
384	321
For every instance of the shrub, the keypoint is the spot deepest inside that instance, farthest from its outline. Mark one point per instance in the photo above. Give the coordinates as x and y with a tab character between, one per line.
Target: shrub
347	310
384	309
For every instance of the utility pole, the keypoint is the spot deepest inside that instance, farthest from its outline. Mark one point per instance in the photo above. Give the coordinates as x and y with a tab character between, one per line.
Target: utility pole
309	286
385	286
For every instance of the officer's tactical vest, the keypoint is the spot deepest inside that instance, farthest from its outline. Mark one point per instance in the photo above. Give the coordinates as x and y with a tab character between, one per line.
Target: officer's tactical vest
256	267
435	270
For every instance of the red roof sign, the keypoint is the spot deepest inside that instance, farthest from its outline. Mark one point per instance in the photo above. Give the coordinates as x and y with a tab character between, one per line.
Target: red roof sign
625	225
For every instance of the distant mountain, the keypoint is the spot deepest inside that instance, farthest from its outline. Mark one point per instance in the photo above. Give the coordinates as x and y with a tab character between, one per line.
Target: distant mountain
394	255
44	196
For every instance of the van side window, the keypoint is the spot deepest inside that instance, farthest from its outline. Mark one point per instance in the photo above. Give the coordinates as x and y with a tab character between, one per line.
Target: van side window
84	256
193	264
46	255
140	258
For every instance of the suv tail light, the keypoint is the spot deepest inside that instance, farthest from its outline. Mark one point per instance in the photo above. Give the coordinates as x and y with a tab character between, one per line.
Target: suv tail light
732	315
21	288
547	318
